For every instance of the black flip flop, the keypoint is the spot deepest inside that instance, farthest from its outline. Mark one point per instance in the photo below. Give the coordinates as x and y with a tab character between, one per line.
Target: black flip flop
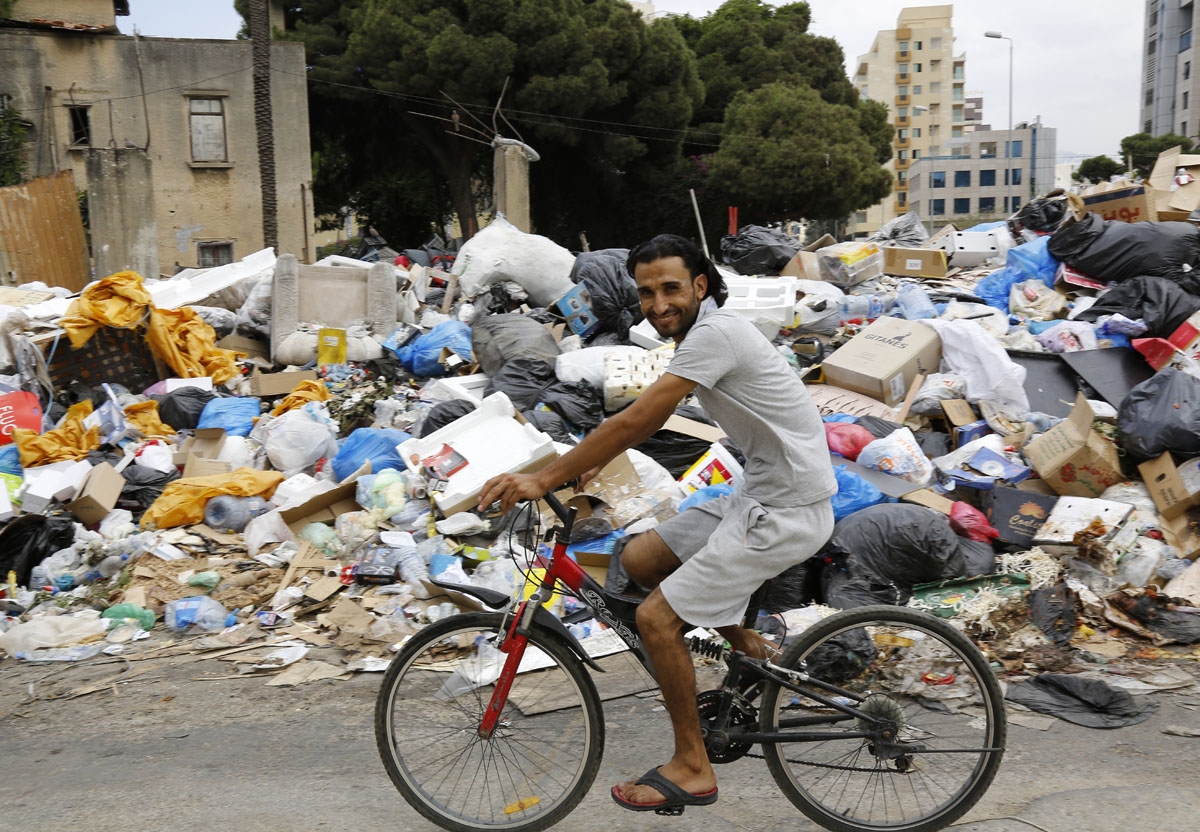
675	800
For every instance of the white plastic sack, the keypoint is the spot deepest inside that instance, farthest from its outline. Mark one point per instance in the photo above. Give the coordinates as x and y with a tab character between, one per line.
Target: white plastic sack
898	454
52	631
988	317
588	364
502	252
299	439
1034	300
936	389
969	351
264	530
817	306
1069	336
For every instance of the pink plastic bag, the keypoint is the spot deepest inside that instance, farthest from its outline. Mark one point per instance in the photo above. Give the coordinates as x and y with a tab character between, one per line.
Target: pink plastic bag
847	440
969	522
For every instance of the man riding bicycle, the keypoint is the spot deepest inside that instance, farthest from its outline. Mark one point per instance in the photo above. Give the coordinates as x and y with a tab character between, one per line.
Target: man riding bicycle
702	566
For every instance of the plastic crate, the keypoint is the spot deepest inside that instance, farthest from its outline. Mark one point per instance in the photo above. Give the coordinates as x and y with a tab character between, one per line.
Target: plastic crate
115	356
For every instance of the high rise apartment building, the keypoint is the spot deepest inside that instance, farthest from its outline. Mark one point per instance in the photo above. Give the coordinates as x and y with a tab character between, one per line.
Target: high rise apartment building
913	70
1169	85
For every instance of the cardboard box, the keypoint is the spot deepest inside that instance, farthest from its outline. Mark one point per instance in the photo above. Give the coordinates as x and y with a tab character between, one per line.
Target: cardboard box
1123	201
883	359
1073	459
1169	196
198	453
576	307
1018	515
1176	495
324	507
250	347
279	384
914	262
806	264
99	494
57	481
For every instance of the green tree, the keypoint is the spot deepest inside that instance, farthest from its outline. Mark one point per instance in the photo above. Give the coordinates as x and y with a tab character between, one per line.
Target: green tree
1097	169
12	145
789	152
6	7
1143	150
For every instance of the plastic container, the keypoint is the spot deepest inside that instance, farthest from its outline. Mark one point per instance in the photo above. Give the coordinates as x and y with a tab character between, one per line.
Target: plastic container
200	611
227	513
914	303
860	307
111	565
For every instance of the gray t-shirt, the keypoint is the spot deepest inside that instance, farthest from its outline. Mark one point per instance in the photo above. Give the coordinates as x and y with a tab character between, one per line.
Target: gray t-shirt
760	402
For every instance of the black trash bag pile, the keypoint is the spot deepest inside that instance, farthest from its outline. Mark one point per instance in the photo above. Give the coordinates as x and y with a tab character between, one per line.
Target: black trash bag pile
1052	609
677	451
30	539
1159	301
1155	613
1088	702
906	231
499	339
890	548
1161	414
757	250
1111	250
614	292
529	382
442	414
142	487
789	590
182	408
1043	214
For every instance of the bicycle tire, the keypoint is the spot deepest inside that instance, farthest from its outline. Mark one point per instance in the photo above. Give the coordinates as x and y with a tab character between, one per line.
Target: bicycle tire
843	785
534	769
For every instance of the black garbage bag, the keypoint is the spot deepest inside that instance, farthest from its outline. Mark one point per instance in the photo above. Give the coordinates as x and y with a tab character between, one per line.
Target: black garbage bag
879	428
789	590
613	289
498	339
1043	214
1159	301
842	657
673	450
1088	702
182	408
758	250
1110	250
1052	609
142	487
529	382
1154	611
1161	414
442	414
580	404
30	539
844	591
551	424
899	545
906	230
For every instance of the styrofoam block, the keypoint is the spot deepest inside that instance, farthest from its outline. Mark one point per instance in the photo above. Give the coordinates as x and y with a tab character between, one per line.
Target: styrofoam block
627	376
644	335
467	388
491	441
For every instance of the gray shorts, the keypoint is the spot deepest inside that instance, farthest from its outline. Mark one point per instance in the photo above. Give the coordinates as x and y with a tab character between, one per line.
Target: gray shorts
729	546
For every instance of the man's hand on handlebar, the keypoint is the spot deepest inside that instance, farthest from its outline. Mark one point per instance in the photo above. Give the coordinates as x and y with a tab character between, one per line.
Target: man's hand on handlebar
510	489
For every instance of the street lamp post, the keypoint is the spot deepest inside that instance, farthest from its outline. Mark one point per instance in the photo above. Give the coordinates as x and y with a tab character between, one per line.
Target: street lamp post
1008	155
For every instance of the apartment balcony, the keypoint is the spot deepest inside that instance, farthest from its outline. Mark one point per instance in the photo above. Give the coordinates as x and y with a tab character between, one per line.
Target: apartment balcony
900	144
901	164
900	186
901	121
903	100
902	77
902	54
900	207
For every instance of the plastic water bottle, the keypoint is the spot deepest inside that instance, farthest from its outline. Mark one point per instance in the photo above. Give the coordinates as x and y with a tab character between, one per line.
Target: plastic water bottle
914	303
111	565
227	513
199	610
860	307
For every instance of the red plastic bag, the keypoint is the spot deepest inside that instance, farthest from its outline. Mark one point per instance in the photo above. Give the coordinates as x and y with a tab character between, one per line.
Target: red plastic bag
969	522
847	440
19	410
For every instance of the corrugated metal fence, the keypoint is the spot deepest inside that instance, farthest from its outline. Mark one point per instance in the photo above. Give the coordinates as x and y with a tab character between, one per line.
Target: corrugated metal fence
41	233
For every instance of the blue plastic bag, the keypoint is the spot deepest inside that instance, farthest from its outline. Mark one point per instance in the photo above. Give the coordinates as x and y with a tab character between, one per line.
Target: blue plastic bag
235	415
987	226
421	356
703	495
854	493
1033	259
994	288
375	444
10	460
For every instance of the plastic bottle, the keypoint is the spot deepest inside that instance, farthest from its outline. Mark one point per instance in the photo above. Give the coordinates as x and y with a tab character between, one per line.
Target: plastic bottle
198	610
860	307
914	303
111	565
227	513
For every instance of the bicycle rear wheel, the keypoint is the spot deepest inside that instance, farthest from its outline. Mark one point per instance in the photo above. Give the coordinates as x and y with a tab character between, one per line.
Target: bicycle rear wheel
926	684
536	766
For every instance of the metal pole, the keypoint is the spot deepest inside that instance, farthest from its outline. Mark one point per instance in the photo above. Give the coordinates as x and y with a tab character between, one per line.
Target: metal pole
1010	124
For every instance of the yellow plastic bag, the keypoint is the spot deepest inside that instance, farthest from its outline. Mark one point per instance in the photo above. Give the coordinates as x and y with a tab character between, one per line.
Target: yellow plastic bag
304	392
118	300
144	416
188	345
72	441
182	501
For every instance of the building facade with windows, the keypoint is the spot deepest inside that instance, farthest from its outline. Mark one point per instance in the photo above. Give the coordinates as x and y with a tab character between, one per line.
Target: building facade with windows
160	132
985	176
913	70
1169	84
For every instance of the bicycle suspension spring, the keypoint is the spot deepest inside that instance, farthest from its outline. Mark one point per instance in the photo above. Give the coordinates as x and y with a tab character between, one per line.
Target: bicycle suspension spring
704	647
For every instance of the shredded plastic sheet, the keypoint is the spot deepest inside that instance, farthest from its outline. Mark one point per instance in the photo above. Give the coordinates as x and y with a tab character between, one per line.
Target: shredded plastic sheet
144	416
71	441
182	501
188	345
304	392
1041	569
119	300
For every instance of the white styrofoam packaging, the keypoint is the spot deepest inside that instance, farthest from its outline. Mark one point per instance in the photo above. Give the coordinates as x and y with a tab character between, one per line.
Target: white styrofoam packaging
467	388
56	481
491	440
1072	515
769	302
644	335
626	376
968	249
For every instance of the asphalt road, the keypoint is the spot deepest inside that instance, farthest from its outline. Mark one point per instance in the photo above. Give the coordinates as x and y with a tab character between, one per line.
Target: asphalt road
177	749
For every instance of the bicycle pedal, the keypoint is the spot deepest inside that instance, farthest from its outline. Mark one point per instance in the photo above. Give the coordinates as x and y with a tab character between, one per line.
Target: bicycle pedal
670	811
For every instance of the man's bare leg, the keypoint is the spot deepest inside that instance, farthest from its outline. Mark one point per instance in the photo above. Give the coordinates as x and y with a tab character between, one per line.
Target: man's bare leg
753	644
662	635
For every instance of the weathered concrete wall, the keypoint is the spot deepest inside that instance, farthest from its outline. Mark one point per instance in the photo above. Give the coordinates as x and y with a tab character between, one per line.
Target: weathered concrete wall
194	202
88	12
121	208
511	185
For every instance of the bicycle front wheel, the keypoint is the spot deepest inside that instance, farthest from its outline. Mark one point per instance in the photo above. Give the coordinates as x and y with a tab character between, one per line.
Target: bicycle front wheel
934	723
539	762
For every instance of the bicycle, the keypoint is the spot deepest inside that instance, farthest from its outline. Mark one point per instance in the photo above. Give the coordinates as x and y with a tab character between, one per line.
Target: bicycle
490	720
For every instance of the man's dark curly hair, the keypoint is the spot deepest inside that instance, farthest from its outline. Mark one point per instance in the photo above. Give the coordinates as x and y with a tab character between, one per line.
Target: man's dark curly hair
672	245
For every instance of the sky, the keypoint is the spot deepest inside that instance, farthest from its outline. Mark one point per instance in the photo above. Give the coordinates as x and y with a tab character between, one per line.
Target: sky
1076	63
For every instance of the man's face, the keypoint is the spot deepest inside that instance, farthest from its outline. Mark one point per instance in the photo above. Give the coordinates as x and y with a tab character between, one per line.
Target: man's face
669	295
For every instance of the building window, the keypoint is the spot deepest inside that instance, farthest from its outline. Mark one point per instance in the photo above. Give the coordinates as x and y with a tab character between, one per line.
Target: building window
916	89
956	115
902	198
1183	128
1187	70
1185	41
962	205
987	178
902	45
860	217
1149	99
916	132
214	254
902	134
1013	151
901	112
1184	107
1151	47
962	179
1015	175
902	90
207	123
902	177
937	179
958	72
902	155
902	68
917	46
937	207
1148	126
987	204
916	154
916	67
1016	203
956	132
81	126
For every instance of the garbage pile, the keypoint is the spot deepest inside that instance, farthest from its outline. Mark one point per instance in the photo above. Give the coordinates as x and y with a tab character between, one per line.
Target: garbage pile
285	455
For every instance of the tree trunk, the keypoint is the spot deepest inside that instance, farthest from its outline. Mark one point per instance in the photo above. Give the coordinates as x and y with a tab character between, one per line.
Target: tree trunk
454	157
260	35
